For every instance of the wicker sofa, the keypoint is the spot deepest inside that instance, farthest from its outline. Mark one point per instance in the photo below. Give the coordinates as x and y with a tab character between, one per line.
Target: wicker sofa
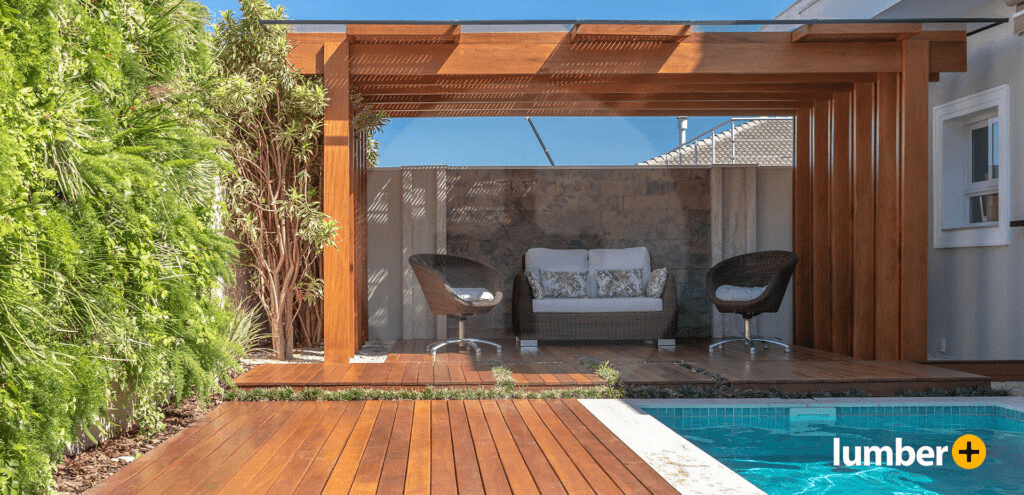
591	318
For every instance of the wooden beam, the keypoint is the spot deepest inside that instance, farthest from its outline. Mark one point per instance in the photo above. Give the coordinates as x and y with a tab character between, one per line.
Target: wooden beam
914	203
659	33
863	243
518	88
341	312
391	33
855	32
682	58
841	220
596	112
887	219
803	235
575	97
821	258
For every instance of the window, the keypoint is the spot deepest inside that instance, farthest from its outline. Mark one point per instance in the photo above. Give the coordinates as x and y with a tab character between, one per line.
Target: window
969	170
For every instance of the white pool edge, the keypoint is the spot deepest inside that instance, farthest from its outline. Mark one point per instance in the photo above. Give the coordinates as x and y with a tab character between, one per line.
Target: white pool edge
685	466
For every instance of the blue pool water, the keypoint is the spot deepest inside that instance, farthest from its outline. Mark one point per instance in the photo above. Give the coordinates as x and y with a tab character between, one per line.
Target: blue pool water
789	450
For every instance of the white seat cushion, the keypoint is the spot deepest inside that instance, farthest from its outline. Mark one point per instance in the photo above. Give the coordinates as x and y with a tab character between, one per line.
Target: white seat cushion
735	293
603	305
473	294
618	259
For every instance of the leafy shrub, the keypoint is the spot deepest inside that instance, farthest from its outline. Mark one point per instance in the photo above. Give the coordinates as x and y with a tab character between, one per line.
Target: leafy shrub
109	258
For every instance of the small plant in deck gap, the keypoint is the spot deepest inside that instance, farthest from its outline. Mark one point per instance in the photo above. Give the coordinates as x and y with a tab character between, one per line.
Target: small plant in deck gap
610	375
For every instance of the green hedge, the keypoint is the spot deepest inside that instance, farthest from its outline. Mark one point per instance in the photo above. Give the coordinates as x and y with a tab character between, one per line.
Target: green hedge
109	261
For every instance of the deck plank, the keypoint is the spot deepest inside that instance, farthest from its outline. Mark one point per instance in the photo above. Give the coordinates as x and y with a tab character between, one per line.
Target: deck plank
491	470
320	470
417	478
297	462
371	464
581	457
568	474
467	468
643	472
519	476
396	460
341	478
442	456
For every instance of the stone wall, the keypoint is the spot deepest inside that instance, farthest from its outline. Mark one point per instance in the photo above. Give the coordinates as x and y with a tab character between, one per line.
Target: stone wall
496	214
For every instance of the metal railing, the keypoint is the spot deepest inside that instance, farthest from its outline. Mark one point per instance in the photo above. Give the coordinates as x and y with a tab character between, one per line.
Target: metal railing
718	134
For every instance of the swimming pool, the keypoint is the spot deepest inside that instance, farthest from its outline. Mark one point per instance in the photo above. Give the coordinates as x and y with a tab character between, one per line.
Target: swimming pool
786	448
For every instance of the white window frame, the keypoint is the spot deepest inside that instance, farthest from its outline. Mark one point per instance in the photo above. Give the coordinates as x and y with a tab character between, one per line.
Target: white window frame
952	124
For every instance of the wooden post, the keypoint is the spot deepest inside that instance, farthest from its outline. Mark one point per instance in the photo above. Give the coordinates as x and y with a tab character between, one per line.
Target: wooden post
340	307
914	203
821	259
863	244
887	220
803	235
841	212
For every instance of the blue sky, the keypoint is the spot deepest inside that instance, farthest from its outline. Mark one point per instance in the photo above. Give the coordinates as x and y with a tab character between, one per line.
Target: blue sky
510	141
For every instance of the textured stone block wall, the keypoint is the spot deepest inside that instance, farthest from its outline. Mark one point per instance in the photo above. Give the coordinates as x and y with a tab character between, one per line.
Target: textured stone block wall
496	214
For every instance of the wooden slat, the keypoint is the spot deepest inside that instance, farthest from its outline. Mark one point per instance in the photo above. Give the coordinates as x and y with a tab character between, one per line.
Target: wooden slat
544	474
821	258
261	462
325	461
396	460
417	479
342	314
138	474
221	472
568	474
371	462
467	469
491	471
887	220
841	216
442	453
609	462
341	478
643	472
914	203
863	245
297	461
803	234
519	476
598	479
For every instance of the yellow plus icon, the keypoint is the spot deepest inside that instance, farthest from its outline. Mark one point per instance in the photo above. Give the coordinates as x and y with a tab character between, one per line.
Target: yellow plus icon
968	451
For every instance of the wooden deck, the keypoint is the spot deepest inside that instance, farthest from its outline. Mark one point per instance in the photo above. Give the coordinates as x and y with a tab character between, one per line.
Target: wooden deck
521	446
557	366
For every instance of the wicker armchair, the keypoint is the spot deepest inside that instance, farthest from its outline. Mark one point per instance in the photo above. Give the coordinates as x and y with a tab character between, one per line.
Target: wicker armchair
457	287
768	269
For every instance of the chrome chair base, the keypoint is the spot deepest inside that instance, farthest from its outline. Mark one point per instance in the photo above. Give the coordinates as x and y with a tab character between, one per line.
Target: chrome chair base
750	342
462	340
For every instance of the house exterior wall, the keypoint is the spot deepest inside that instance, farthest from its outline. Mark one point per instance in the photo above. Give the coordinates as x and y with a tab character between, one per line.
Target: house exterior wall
976	293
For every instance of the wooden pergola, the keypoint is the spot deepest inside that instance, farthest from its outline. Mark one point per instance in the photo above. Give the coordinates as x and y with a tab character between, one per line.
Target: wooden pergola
858	92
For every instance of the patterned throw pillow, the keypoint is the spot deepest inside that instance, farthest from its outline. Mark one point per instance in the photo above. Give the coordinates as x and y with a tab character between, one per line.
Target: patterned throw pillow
620	283
656	285
564	284
534	279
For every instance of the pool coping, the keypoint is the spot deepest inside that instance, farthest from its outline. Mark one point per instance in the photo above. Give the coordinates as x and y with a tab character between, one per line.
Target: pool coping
684	465
691	470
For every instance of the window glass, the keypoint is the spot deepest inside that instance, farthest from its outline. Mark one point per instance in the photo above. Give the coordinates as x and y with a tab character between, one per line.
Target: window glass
979	154
984	208
995	150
